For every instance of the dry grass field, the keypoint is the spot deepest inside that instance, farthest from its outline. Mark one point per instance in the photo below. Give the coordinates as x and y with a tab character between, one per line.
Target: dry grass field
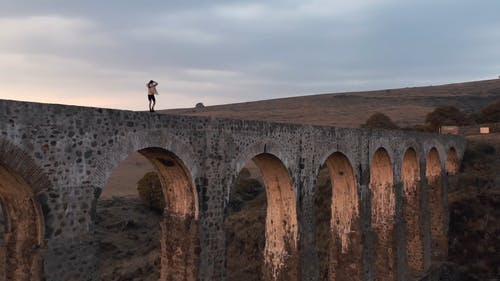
407	106
129	239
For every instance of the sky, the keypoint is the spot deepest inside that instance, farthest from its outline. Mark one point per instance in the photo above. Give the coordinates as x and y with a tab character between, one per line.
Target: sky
102	53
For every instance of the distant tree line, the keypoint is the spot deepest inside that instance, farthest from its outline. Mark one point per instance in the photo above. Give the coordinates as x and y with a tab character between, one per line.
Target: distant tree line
443	115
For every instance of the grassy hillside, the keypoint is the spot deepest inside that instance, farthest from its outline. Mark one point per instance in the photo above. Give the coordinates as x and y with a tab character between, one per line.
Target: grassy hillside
406	106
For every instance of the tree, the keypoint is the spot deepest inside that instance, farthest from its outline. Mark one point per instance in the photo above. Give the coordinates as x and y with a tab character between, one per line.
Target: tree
445	115
379	120
490	113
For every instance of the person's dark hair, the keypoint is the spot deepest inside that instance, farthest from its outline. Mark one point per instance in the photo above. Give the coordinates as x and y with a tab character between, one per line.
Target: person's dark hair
151	81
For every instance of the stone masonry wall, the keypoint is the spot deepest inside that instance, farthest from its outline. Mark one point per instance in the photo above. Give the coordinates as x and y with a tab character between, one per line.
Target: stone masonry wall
72	150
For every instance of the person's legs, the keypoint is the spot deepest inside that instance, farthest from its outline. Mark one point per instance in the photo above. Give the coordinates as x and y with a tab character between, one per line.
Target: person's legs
152	102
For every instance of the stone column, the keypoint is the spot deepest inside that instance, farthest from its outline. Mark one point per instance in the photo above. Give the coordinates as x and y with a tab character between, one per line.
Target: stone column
71	249
426	230
308	255
400	234
211	221
367	235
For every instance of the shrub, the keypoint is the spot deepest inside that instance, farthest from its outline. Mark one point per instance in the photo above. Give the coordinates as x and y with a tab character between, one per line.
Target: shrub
379	120
445	115
151	192
245	190
490	113
477	152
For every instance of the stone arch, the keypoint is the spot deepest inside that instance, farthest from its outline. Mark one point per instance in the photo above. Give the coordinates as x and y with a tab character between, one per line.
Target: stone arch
261	147
179	225
433	173
452	163
281	229
22	183
383	215
141	141
179	229
344	253
412	211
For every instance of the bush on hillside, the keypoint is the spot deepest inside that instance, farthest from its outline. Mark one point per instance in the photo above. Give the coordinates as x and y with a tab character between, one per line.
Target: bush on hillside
490	113
445	115
379	120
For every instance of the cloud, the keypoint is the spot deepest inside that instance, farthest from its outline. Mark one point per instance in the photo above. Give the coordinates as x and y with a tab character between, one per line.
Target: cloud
36	32
175	35
238	50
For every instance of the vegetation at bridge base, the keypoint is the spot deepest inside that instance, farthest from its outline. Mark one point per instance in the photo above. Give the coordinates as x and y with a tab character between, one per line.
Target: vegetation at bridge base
150	191
379	120
474	198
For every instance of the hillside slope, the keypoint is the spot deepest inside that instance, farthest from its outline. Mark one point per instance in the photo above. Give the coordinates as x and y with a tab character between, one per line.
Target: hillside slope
406	106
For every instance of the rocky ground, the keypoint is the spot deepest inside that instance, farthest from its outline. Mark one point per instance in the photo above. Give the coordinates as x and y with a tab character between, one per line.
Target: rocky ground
129	245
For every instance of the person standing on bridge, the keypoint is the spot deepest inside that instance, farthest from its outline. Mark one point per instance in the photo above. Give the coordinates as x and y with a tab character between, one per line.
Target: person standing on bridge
151	94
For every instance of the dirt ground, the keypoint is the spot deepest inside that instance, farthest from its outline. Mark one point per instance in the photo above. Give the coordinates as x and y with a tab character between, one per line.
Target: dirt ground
129	245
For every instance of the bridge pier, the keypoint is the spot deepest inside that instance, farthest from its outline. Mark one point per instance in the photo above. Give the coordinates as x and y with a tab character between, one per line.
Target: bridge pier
72	259
71	248
309	261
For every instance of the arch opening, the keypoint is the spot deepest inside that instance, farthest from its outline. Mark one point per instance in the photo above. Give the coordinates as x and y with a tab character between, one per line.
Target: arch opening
338	235
153	236
245	225
276	240
433	173
412	210
383	215
21	249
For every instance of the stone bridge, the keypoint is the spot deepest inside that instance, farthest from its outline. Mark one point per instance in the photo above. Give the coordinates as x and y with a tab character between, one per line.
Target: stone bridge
389	217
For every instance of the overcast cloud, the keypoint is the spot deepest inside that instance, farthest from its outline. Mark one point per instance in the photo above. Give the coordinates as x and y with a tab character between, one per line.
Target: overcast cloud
101	53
